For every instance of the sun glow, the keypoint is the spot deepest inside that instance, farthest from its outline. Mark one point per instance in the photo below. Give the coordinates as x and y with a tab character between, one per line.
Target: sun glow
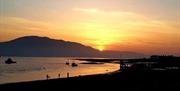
98	35
100	48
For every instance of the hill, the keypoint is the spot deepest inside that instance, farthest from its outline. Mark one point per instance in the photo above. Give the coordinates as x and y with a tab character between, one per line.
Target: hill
35	46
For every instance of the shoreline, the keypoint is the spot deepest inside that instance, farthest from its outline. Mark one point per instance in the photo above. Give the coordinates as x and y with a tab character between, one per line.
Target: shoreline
87	62
140	76
136	80
41	73
61	83
63	78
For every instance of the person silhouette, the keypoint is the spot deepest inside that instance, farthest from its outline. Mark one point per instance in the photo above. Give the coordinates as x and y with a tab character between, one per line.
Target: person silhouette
68	75
59	75
47	76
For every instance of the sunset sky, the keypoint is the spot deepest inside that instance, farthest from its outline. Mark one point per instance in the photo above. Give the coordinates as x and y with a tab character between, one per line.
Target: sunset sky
145	26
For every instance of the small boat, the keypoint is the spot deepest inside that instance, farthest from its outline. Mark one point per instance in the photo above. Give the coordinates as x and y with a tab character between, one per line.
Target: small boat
74	65
67	63
9	61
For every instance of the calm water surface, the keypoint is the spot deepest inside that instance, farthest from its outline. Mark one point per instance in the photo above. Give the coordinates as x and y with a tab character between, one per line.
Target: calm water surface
36	68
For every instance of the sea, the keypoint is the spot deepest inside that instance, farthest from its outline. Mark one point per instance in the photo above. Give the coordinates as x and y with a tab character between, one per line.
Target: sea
37	68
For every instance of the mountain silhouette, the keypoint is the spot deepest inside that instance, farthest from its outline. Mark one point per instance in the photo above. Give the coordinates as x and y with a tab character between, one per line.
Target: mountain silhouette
35	46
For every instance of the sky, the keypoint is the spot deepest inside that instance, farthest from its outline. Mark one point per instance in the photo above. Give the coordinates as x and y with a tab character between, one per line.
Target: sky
145	26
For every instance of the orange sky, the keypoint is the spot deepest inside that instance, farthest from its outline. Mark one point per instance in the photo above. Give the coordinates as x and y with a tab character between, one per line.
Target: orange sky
146	26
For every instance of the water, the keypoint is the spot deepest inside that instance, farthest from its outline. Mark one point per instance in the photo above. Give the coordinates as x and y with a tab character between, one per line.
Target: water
36	68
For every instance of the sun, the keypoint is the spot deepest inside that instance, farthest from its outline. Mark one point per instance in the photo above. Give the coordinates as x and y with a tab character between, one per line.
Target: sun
100	48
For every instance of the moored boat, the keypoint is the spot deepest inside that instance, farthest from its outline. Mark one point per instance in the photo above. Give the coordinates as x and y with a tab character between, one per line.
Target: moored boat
74	65
9	61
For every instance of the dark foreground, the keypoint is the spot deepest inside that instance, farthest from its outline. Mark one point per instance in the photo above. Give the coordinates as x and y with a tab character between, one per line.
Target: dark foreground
156	73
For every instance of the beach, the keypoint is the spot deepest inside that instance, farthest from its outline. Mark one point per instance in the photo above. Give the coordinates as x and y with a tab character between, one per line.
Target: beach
145	75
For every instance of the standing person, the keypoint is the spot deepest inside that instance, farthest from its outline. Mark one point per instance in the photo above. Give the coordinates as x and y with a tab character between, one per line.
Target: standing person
47	77
68	75
59	75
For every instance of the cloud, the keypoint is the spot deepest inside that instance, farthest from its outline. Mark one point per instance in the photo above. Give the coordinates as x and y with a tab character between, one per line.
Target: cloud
94	11
12	27
125	20
25	24
90	10
112	17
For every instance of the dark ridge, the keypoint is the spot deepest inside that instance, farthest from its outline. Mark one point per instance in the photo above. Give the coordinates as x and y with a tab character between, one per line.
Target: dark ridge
47	47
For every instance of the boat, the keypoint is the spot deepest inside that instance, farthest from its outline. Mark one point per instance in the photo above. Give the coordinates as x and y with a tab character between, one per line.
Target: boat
9	61
67	63
74	65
